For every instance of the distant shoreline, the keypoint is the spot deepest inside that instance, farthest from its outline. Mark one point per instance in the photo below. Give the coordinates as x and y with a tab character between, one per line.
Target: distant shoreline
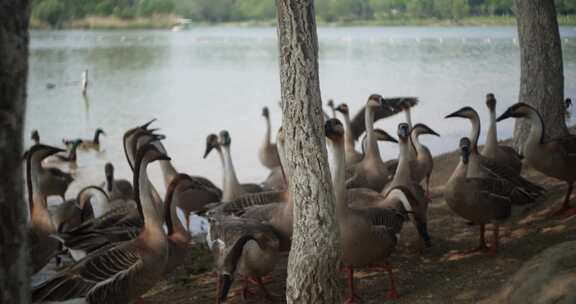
169	21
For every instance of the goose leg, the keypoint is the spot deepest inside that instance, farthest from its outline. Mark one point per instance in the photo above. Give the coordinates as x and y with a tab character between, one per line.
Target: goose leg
392	293
481	242
269	296
352	296
566	210
495	242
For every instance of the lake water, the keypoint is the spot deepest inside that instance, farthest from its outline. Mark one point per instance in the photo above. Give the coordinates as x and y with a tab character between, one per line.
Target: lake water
209	79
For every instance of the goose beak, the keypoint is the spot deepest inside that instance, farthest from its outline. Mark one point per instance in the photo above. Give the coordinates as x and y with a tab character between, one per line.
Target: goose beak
391	139
164	157
455	114
146	125
505	115
208	149
225	284
432	132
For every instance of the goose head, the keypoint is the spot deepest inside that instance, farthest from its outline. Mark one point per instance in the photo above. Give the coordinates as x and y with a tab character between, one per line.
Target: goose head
330	104
518	110
376	101
421	128
465	112
211	143
265	112
343	108
334	130
224	138
35	136
403	132
100	131
491	101
465	149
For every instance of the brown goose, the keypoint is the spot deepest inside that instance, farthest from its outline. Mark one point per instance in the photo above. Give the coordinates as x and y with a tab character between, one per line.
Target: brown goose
41	226
122	272
72	213
117	188
484	199
232	188
370	172
178	237
87	144
120	222
423	163
268	152
503	155
243	247
554	157
52	181
369	235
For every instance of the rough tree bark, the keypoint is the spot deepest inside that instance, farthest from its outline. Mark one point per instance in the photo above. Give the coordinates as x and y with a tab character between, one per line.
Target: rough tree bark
542	76
14	277
315	254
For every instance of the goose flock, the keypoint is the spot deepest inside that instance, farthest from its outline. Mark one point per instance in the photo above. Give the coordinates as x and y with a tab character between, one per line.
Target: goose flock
137	239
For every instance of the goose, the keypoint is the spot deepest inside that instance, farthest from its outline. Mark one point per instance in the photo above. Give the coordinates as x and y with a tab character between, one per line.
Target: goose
370	172
554	157
191	200
392	106
121	272
52	181
41	226
72	213
369	235
484	199
503	155
87	144
117	188
352	156
35	136
423	163
268	152
120	222
231	187
243	247
178	237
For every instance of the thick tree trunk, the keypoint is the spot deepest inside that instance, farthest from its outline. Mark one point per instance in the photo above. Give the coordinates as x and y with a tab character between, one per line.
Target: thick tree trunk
316	251
542	78
14	276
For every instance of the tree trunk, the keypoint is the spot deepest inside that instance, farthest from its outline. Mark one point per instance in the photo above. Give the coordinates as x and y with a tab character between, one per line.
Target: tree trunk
542	78
313	266
14	276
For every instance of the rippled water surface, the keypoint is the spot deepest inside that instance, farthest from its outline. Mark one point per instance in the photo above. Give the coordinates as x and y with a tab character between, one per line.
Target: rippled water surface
209	79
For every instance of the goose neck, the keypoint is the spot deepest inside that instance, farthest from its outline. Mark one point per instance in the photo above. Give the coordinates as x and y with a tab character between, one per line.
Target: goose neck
372	150
408	114
348	137
339	182
492	135
402	175
39	215
231	185
475	134
168	171
145	201
268	134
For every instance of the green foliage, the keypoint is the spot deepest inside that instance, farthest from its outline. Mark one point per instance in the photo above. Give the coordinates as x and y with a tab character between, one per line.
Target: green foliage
56	12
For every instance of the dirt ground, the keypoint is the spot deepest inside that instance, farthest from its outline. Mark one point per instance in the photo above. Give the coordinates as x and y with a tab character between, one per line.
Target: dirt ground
441	275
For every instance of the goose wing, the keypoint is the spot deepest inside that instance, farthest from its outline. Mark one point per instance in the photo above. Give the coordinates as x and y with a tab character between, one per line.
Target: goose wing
239	205
529	190
395	106
80	279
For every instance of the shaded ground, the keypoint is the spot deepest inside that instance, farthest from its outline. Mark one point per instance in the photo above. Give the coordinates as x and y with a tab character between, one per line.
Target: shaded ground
441	275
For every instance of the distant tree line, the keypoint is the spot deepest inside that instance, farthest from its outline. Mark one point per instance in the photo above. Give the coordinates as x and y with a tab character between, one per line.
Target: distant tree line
57	12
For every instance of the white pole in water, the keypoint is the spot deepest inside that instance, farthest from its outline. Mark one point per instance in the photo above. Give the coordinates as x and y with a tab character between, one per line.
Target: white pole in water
84	82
